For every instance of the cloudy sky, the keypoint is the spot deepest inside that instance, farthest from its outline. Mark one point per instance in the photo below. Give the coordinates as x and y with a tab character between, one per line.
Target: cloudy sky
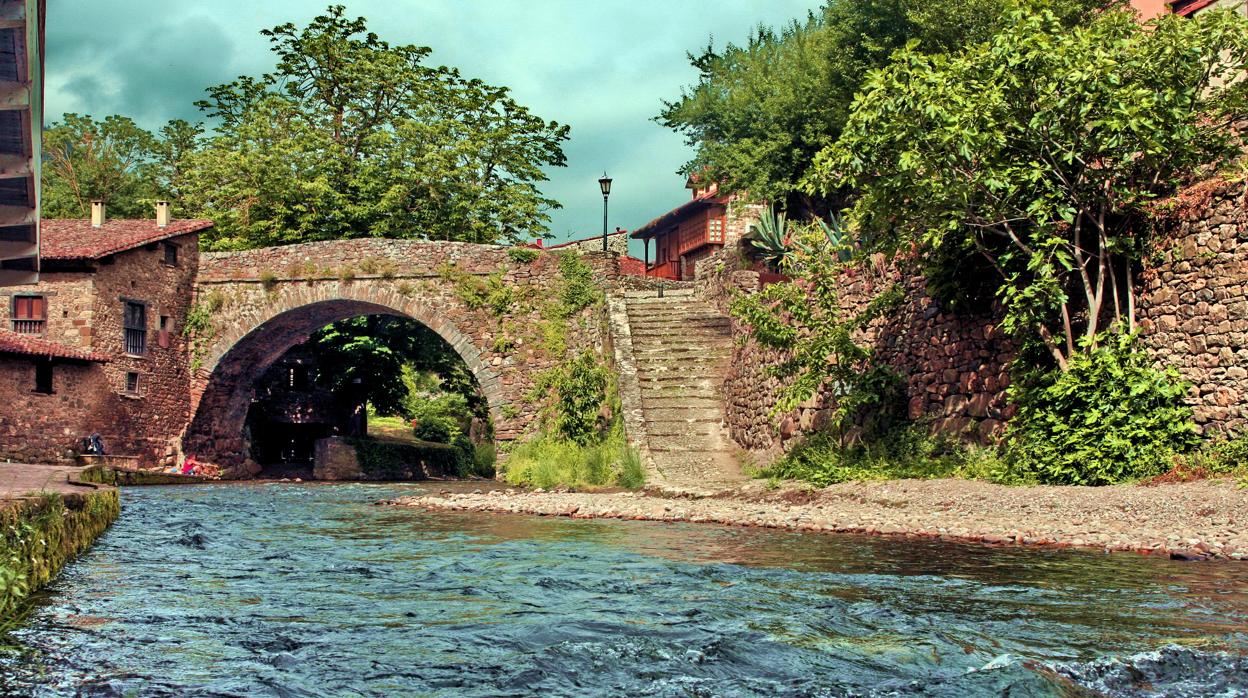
601	66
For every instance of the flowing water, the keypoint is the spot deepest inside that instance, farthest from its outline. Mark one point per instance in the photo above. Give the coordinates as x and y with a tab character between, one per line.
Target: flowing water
309	590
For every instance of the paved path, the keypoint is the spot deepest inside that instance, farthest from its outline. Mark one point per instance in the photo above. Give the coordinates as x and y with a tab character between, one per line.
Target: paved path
21	479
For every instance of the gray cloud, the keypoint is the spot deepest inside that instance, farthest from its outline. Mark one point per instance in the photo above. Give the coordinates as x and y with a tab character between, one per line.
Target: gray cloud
604	68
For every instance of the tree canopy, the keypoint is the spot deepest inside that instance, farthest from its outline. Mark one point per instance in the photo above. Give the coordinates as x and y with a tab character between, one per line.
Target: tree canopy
115	160
349	136
1040	148
761	111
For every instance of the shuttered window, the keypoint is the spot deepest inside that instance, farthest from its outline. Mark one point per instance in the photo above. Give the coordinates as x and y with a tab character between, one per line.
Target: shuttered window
29	314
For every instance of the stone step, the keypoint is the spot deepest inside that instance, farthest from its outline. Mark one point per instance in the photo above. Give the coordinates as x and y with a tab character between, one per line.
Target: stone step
682	429
657	401
654	294
684	414
657	352
683	342
686	444
642	310
653	394
681	347
673	324
680	327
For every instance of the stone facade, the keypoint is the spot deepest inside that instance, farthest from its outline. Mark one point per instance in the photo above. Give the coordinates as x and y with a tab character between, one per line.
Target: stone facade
1193	300
271	300
617	243
85	302
954	367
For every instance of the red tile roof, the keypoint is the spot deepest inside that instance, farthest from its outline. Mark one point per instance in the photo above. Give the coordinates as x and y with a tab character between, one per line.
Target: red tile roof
675	215
30	345
76	239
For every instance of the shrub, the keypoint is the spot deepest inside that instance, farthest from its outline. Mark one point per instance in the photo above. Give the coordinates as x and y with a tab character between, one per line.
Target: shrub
1111	417
268	280
436	418
1227	456
907	451
523	255
552	462
387	460
578	391
579	290
484	456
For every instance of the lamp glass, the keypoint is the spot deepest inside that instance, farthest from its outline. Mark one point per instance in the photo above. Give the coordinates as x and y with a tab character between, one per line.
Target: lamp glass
605	185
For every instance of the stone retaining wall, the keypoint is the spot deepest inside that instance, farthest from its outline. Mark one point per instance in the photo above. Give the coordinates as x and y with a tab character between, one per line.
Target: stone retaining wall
1194	300
953	366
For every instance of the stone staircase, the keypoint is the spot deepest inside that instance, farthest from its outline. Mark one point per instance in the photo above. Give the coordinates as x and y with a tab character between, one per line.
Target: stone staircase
680	350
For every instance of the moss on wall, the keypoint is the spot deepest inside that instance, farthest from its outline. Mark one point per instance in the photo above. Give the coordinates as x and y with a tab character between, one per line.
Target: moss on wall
39	535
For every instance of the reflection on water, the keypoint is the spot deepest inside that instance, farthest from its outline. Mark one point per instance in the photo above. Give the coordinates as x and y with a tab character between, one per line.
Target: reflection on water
309	590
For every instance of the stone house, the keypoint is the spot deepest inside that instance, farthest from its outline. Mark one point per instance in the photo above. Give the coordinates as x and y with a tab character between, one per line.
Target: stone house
96	346
694	231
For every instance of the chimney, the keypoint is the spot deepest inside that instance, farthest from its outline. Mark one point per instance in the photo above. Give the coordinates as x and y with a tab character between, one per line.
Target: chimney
162	214
97	214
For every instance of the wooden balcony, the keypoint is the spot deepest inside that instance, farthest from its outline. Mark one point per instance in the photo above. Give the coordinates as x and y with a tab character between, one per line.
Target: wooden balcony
28	326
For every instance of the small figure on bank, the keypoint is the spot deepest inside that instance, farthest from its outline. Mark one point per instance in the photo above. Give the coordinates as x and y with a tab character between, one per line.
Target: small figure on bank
190	466
94	445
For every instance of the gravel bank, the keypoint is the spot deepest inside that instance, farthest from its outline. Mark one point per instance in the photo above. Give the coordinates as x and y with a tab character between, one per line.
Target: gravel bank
1193	520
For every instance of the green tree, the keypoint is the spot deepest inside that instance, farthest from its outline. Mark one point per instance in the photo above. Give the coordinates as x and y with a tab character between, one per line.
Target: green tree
377	350
85	159
1040	149
353	137
761	111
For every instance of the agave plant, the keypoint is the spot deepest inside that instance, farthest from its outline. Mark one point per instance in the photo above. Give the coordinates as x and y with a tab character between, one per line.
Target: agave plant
769	236
837	234
835	239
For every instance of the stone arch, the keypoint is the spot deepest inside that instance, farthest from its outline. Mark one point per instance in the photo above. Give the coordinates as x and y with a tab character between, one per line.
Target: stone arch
266	322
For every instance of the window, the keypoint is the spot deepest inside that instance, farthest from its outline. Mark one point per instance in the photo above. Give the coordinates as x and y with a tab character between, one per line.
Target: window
132	383
136	328
715	230
171	254
29	314
43	377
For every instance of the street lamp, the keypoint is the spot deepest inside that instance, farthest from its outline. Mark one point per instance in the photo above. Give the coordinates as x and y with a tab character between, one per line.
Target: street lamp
604	183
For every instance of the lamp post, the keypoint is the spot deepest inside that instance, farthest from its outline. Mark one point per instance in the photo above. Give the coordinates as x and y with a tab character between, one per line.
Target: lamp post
604	183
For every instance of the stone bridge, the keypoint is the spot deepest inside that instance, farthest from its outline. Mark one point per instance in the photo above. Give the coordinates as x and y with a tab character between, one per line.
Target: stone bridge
261	303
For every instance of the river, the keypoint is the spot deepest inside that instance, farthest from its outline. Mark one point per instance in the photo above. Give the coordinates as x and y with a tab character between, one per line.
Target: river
311	590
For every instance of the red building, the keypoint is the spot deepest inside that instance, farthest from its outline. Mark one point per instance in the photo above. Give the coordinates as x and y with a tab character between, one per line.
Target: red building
97	346
692	232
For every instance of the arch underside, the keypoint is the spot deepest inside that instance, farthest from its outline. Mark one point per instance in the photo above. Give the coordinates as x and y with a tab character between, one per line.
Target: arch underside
246	350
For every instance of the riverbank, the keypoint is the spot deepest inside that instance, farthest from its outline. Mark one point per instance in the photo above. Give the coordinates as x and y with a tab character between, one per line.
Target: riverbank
1193	520
47	517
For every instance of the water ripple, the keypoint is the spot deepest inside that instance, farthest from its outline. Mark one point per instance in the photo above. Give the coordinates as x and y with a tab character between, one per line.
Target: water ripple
282	590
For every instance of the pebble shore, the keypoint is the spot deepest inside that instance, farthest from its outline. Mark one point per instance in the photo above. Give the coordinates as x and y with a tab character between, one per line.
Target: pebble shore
1206	519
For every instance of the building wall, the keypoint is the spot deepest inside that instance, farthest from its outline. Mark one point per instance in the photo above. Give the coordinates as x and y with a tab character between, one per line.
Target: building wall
37	428
147	424
70	298
84	309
